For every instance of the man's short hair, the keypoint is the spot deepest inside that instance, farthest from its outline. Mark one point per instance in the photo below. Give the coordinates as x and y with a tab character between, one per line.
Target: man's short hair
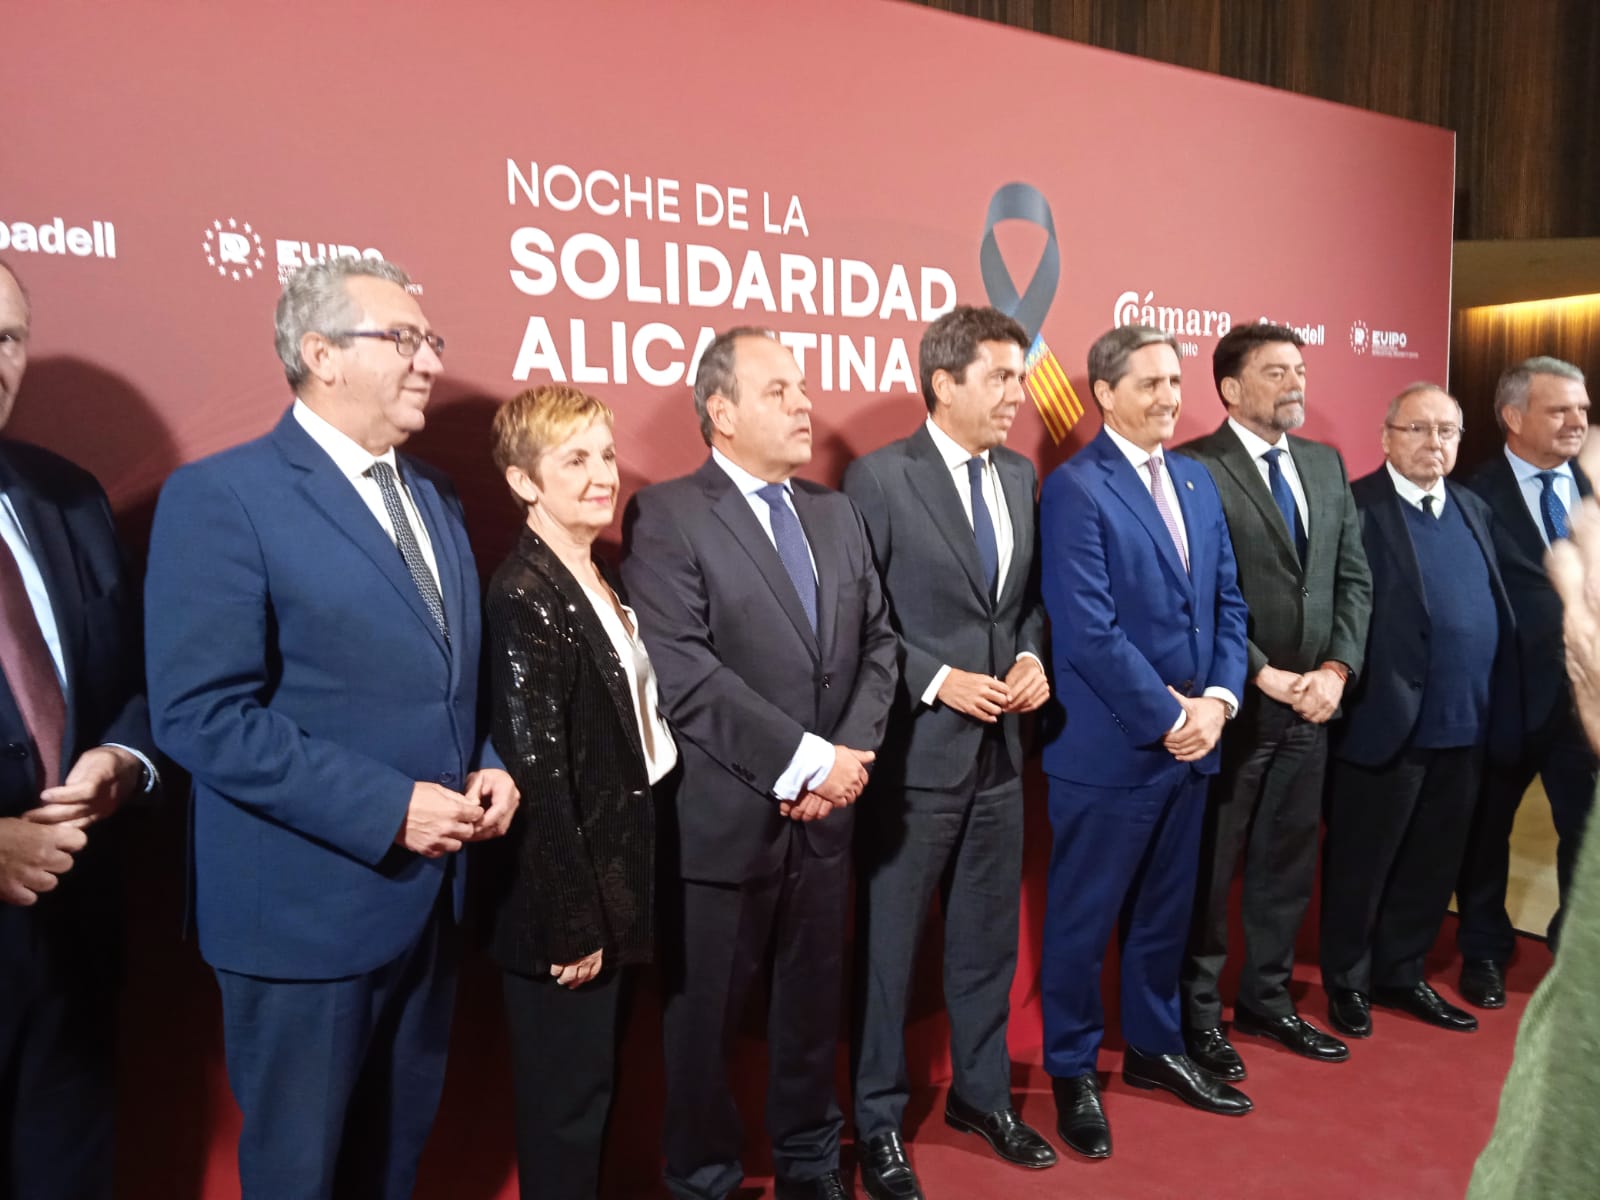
27	301
1512	389
315	300
1415	389
1108	357
1235	346
715	376
538	420
951	342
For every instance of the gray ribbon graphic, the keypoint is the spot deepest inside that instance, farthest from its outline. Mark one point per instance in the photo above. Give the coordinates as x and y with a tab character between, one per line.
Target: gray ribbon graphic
1020	202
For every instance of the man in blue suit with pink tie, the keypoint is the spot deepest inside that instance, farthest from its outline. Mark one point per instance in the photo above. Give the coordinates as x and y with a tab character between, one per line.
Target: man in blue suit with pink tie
312	635
1148	641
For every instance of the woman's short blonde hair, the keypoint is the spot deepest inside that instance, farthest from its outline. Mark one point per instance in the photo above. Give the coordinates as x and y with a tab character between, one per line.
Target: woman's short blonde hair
540	419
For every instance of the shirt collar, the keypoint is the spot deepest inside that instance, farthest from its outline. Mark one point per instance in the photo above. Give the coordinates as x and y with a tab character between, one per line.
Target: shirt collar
349	455
1255	445
951	451
1412	494
1136	456
1525	470
747	483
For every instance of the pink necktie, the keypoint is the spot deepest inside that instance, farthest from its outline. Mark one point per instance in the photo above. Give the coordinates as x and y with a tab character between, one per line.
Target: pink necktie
30	671
1159	494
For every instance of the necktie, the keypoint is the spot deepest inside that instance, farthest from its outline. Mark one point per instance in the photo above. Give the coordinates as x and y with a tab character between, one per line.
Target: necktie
406	539
1551	508
983	526
1159	495
1284	499
30	671
791	542
1427	506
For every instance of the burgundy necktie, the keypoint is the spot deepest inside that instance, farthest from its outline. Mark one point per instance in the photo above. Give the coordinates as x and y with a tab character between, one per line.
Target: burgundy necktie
30	671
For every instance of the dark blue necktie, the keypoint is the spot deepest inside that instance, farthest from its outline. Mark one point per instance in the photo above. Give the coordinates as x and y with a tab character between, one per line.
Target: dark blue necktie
1551	508
791	542
983	526
1284	499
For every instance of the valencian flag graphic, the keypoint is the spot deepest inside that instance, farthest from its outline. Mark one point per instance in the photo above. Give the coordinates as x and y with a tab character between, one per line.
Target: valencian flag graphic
1047	382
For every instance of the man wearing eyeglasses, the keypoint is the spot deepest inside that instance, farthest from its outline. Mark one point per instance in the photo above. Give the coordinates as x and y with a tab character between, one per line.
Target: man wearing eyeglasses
1440	686
1542	404
312	631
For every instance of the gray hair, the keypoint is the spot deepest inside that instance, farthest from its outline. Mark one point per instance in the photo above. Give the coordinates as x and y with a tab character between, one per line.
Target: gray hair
1512	390
316	300
1416	389
1108	357
715	376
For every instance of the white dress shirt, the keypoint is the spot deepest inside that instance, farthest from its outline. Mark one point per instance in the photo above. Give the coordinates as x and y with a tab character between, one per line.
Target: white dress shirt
1257	447
1411	494
1533	487
353	460
660	751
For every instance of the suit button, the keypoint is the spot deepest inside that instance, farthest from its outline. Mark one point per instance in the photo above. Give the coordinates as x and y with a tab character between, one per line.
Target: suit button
447	778
827	681
1416	683
1197	629
15	750
1305	592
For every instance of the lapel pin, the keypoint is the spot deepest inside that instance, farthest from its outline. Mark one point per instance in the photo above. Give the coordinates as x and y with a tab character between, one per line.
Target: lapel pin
1189	483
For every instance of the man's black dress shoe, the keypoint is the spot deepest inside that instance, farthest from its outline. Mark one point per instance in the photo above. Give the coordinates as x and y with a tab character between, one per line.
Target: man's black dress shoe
1350	1012
886	1173
1211	1049
1080	1117
1483	983
1178	1074
1011	1139
1425	1004
1293	1033
828	1186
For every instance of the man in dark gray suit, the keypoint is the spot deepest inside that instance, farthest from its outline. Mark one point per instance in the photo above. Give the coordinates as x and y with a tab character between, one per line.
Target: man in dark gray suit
768	629
1543	406
951	515
1304	575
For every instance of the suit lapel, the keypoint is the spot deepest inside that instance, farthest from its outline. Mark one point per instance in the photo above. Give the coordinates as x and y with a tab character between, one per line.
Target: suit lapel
1019	505
1246	476
441	533
1389	519
822	546
931	479
733	510
1512	509
1125	483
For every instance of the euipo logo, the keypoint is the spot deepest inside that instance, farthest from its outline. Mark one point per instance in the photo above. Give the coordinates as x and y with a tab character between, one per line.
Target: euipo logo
1358	337
1380	343
235	251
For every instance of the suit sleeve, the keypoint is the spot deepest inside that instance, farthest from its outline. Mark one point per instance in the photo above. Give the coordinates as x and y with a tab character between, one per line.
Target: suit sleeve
1031	629
862	725
1352	585
706	701
865	489
121	698
1230	643
1077	591
209	634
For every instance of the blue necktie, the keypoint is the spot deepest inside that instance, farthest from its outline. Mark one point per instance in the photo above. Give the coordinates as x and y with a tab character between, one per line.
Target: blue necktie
410	549
1284	499
1551	508
791	542
983	526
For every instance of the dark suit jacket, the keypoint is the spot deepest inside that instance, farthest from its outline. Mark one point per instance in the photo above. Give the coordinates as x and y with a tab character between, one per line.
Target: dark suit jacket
942	611
296	674
64	514
1520	549
575	873
1127	620
742	676
1382	707
1300	615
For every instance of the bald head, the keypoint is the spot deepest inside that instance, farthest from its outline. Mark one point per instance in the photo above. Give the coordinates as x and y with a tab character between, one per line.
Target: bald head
15	320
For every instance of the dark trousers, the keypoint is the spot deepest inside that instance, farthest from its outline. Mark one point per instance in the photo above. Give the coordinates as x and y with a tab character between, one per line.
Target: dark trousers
967	843
563	1061
1396	835
716	941
1559	754
1123	858
339	1079
1266	810
57	1014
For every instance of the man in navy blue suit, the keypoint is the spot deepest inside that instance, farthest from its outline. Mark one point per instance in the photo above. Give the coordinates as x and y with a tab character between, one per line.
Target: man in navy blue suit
1148	639
312	627
74	746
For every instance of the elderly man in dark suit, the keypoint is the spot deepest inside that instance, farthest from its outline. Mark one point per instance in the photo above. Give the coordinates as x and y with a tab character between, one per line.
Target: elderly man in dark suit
1542	404
312	622
767	625
1440	685
1304	575
951	517
74	746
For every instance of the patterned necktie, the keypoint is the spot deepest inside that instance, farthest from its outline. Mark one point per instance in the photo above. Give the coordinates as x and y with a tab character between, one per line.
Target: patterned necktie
1159	495
1551	508
983	526
30	671
791	542
406	539
1284	499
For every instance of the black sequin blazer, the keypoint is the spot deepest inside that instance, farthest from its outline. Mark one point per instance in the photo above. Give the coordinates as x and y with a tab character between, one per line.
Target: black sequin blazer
576	871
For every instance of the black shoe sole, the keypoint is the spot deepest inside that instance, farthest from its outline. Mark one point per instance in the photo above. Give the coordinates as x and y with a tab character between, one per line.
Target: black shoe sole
1151	1085
965	1126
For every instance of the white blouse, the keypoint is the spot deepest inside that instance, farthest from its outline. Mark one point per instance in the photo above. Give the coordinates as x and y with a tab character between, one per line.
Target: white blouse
660	751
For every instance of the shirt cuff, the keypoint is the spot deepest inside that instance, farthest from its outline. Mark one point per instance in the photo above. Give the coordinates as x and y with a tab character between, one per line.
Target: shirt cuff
151	775
1227	698
1183	719
812	761
931	692
1022	654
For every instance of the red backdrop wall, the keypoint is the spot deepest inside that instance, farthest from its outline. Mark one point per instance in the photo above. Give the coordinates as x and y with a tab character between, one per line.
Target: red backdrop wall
564	182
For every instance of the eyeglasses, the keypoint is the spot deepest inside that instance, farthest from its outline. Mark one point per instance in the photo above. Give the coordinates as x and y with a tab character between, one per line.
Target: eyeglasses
407	341
1422	429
